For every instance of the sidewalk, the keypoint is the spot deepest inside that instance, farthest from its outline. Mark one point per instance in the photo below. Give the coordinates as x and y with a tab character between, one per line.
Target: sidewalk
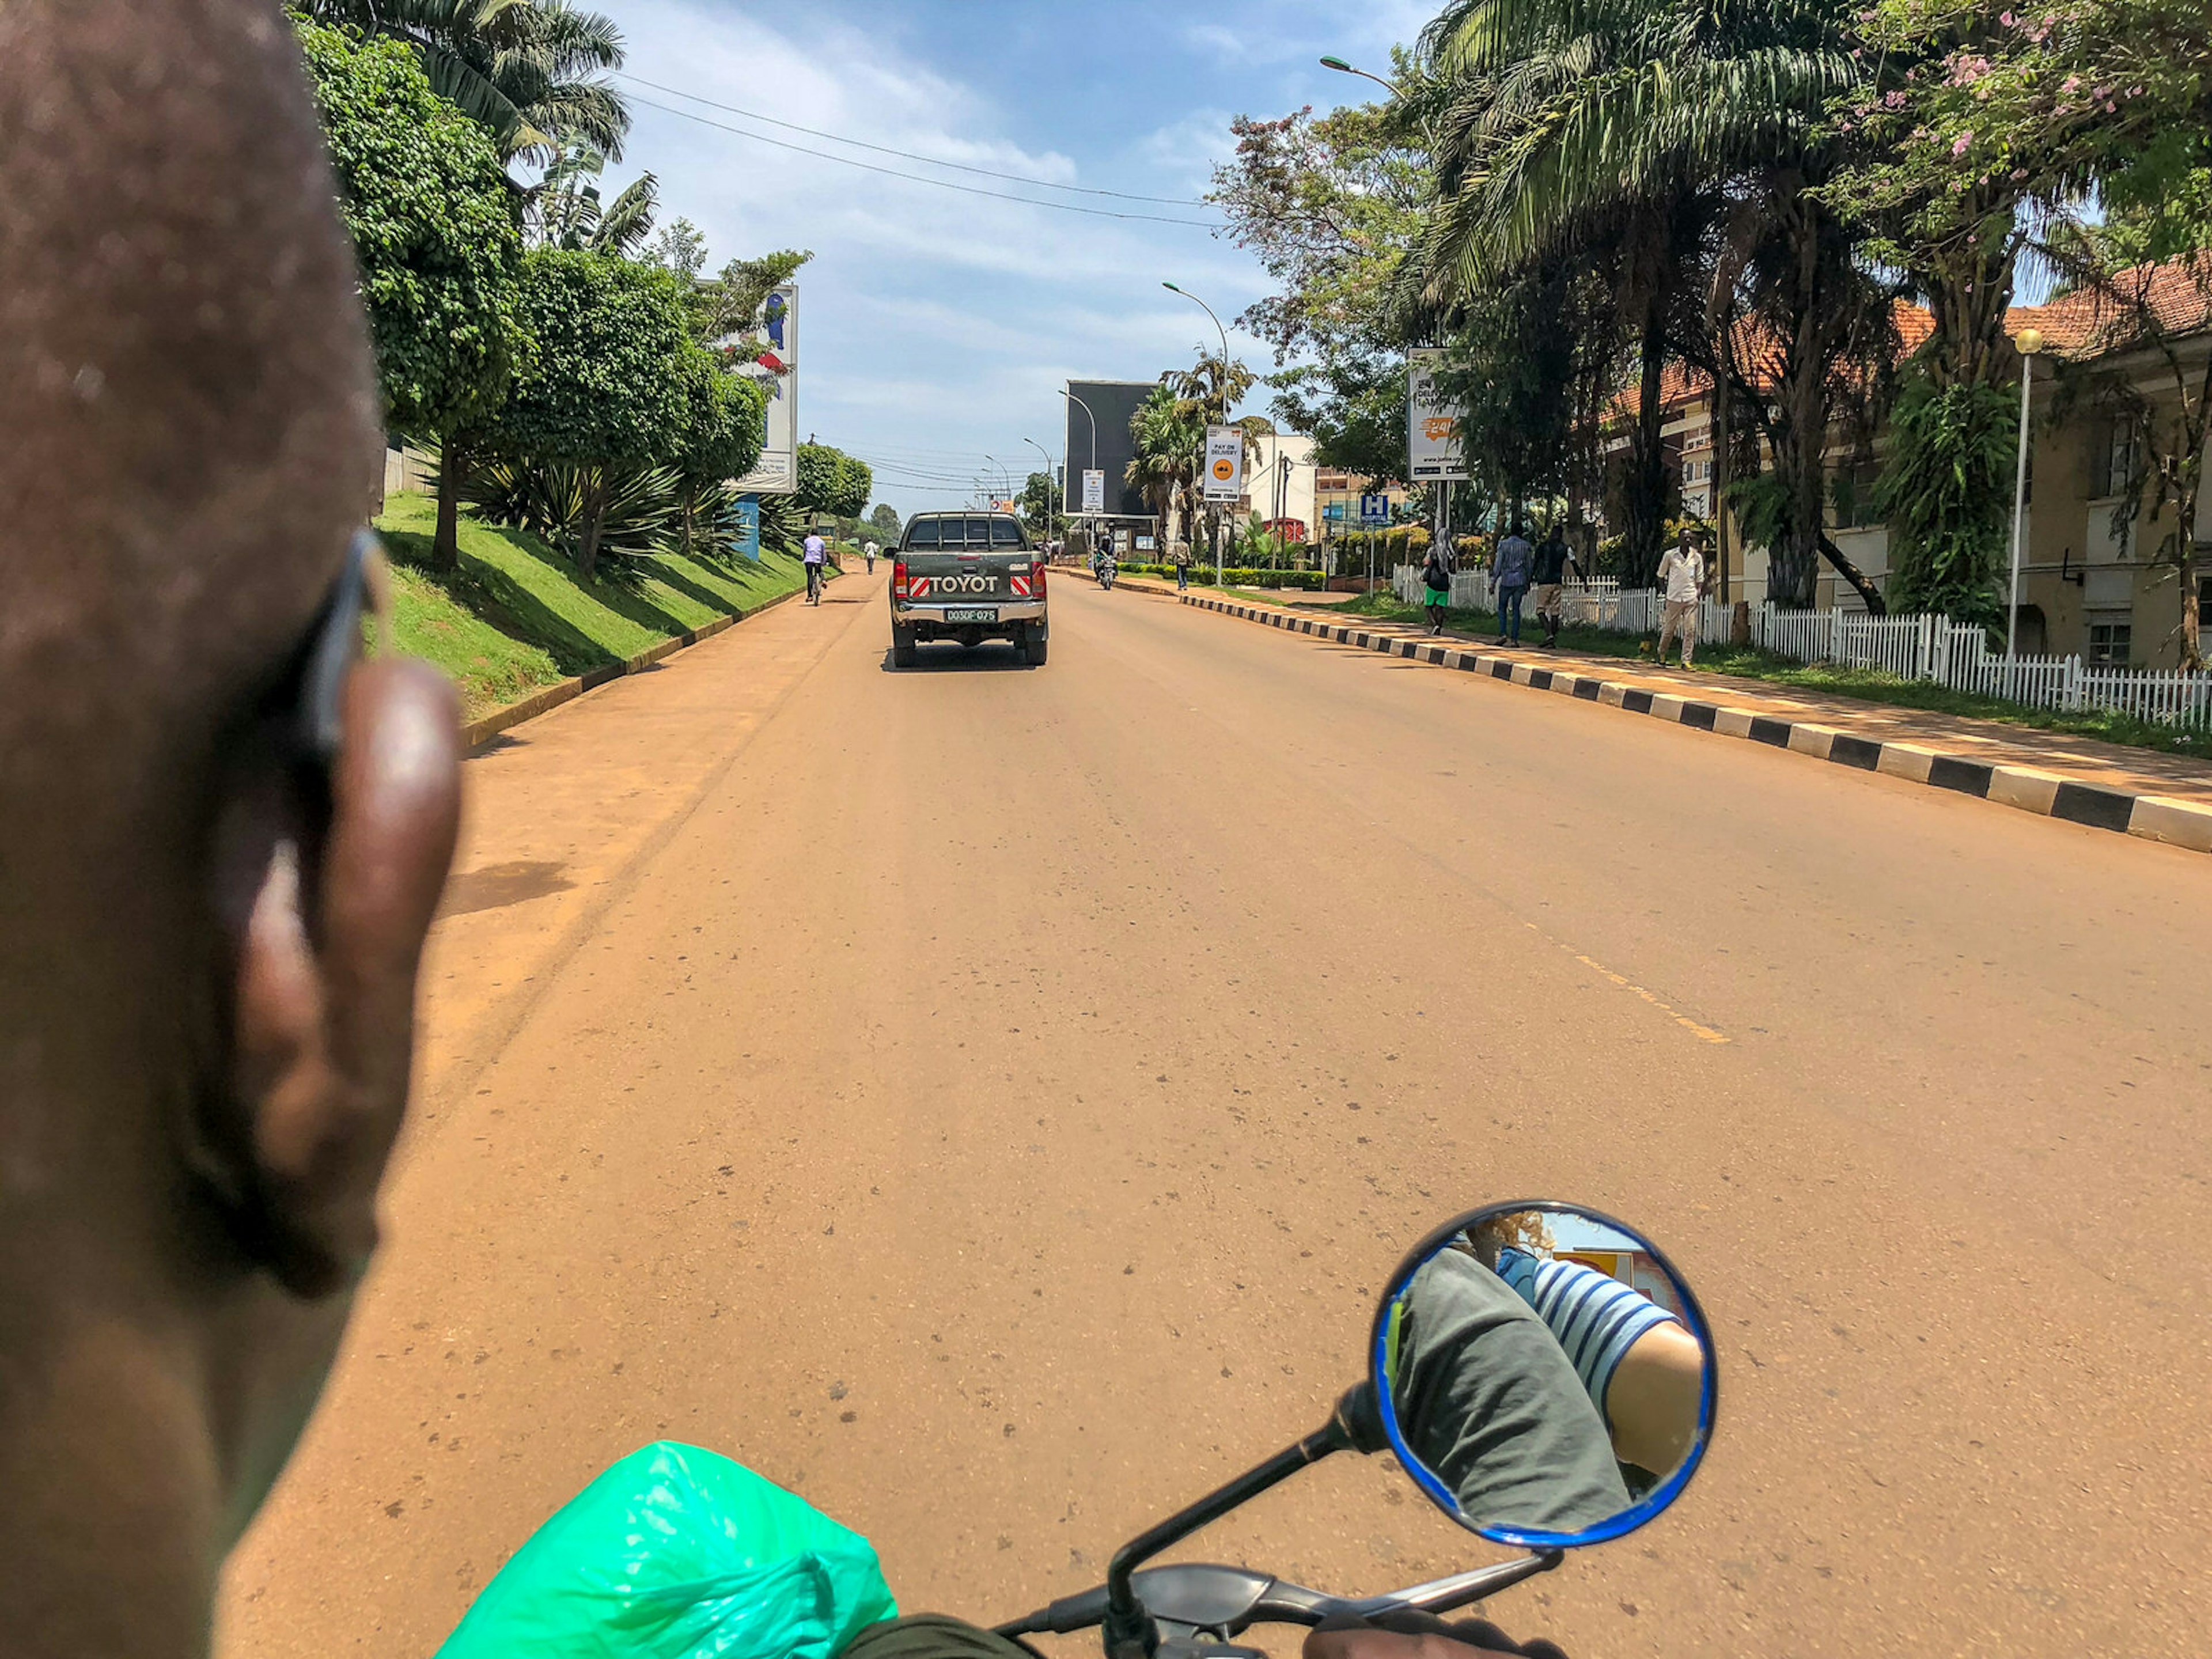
2137	792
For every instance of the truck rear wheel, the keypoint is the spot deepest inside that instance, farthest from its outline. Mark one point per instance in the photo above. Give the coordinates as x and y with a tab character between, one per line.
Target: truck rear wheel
904	650
1034	642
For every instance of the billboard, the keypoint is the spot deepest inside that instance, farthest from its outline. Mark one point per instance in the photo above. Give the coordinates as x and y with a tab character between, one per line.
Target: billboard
1432	426
1114	405
1225	464
768	354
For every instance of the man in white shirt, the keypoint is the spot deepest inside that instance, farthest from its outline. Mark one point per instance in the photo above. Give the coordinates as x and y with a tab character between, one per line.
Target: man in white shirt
815	554
1682	576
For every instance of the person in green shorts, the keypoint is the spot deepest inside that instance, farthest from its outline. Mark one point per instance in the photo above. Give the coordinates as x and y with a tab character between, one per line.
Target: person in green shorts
1437	572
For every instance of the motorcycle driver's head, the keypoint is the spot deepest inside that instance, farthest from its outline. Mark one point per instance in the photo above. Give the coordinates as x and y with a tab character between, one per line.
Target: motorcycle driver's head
207	950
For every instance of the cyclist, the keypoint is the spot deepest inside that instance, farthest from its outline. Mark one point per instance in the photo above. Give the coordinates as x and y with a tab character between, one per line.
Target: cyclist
817	552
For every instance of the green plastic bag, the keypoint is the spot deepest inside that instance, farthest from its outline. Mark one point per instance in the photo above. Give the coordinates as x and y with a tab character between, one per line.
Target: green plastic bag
679	1554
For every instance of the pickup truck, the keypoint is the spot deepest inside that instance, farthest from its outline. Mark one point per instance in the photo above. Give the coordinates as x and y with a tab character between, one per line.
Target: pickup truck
969	577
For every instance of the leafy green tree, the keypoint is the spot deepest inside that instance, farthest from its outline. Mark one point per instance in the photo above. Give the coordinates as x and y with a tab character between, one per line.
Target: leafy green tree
886	521
1354	408
832	483
856	483
1510	370
818	478
426	204
680	247
1983	136
607	388
530	72
1953	451
1618	128
732	301
726	422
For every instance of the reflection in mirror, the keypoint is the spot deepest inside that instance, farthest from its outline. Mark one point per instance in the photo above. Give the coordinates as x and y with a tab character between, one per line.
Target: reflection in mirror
1544	1374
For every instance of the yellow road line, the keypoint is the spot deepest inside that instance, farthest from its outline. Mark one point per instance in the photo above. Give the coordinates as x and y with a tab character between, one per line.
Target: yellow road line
1702	1033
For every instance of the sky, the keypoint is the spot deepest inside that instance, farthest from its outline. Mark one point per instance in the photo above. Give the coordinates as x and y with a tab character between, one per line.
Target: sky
938	325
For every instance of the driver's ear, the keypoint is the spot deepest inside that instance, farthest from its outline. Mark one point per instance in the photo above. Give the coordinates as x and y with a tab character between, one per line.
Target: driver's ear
327	925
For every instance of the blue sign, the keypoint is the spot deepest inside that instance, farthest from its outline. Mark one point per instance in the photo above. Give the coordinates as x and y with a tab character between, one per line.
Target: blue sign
748	512
1332	509
1374	510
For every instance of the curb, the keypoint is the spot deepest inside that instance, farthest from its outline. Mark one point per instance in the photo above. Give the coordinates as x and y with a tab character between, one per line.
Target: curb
477	733
2050	794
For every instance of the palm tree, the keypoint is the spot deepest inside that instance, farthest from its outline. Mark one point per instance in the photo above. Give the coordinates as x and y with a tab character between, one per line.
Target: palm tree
565	211
1170	434
1631	130
530	71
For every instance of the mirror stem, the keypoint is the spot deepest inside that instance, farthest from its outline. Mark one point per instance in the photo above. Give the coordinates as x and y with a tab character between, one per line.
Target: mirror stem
1128	1629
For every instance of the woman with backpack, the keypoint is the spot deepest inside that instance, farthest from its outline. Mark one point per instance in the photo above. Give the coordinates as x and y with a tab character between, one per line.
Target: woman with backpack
1437	572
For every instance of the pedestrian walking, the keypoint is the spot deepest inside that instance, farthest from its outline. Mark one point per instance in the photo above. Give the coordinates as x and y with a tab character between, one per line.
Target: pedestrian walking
817	551
869	553
1179	556
1682	575
1437	575
1552	563
1516	557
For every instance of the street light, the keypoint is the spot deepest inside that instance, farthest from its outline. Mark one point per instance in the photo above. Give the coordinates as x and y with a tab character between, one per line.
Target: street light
1046	454
2029	341
1064	479
1343	67
1224	332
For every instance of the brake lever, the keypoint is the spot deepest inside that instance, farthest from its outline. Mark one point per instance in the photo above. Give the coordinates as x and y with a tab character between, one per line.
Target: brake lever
1294	1604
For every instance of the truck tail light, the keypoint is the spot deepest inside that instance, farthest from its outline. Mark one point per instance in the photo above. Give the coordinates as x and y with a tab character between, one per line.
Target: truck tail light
1037	580
898	579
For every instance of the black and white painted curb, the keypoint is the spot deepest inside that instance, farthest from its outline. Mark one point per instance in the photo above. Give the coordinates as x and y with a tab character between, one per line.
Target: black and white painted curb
2154	818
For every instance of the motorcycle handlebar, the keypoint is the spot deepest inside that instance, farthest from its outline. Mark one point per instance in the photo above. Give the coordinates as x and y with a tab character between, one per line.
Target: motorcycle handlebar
1231	1598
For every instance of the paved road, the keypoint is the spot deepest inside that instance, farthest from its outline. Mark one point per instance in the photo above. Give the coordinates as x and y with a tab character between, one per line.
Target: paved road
988	1101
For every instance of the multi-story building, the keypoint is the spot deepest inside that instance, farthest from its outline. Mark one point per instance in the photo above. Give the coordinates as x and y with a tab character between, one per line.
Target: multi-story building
2092	582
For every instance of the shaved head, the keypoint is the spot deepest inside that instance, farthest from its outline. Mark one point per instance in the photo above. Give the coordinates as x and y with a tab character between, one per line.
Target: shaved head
184	383
208	943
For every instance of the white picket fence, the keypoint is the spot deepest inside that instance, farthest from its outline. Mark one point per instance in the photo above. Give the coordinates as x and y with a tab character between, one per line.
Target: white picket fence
1919	648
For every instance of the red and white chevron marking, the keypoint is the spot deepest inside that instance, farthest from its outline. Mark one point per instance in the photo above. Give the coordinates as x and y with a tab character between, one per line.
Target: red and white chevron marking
1021	586
918	588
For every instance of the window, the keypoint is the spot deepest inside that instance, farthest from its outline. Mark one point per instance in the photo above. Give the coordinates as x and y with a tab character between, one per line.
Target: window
922	533
979	533
2120	457
2111	642
1005	532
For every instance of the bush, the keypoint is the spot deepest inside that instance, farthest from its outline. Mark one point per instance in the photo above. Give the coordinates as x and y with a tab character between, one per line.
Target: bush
641	515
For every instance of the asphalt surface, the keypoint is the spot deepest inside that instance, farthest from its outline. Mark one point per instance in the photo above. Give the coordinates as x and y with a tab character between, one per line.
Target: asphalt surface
989	1101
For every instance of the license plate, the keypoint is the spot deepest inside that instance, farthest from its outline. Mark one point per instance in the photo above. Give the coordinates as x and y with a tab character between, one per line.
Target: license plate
974	613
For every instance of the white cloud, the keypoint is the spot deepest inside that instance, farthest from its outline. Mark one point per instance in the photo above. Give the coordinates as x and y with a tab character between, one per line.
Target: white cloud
938	325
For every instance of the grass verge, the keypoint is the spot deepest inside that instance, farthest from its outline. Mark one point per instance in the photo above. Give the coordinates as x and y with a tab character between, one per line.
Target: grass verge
1748	662
516	618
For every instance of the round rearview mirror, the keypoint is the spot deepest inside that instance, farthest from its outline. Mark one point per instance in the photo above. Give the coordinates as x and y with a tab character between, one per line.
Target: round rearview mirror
1544	1374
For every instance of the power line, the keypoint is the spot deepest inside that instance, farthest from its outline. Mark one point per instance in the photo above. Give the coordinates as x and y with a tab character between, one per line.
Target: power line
886	150
919	178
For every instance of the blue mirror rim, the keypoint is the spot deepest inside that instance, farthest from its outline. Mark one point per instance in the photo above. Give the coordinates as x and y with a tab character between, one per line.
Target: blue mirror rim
1659	1497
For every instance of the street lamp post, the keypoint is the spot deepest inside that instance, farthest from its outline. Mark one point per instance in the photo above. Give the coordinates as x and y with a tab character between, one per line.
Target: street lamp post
1004	471
1208	310
1041	450
2029	341
1064	481
1343	67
